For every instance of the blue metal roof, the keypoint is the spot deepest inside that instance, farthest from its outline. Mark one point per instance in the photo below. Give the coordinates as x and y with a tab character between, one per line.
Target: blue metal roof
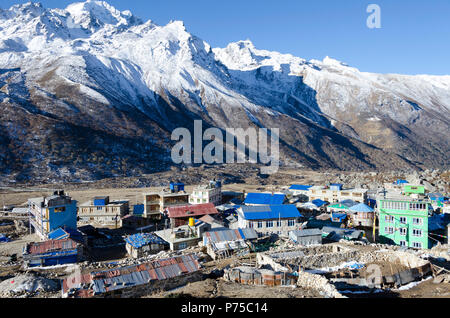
361	208
270	212
340	216
142	239
264	198
300	187
400	181
58	234
318	203
138	209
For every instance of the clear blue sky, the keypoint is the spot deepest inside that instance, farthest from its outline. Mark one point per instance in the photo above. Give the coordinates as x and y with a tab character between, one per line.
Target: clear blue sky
414	38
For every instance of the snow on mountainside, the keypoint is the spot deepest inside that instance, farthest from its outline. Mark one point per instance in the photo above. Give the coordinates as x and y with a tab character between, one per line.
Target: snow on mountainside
91	77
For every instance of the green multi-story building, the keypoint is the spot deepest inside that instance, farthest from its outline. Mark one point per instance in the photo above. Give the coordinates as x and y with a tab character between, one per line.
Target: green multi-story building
404	223
413	189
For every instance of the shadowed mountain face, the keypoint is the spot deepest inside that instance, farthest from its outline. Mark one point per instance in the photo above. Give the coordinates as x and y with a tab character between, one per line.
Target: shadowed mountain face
91	92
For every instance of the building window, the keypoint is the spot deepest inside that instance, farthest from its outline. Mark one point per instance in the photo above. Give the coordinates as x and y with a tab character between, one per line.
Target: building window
278	223
417	233
182	246
403	231
269	224
417	245
389	219
291	222
417	221
403	243
403	219
250	225
260	225
389	230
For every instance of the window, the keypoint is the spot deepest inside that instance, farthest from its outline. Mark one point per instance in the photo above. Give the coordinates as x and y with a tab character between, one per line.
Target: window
417	221
291	222
389	219
250	225
403	243
260	225
182	246
417	233
417	245
389	230
403	231
269	224
403	219
278	223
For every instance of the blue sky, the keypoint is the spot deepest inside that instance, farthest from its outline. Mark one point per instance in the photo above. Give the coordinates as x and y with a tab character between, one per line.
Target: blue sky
414	38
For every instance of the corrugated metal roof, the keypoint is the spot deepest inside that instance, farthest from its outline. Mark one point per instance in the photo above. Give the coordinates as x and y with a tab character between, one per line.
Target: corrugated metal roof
307	232
191	210
134	275
264	198
270	212
50	245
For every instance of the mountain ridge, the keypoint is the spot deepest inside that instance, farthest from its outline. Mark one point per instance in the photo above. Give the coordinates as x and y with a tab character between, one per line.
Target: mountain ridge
91	67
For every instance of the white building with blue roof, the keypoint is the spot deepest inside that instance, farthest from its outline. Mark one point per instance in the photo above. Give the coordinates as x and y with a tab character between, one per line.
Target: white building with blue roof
270	219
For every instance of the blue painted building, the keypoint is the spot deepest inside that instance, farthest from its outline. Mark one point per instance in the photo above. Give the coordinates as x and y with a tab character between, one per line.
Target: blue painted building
270	219
53	212
51	253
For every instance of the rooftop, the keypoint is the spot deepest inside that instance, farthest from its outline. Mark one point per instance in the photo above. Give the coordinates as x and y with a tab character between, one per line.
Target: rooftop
270	212
142	239
264	198
97	283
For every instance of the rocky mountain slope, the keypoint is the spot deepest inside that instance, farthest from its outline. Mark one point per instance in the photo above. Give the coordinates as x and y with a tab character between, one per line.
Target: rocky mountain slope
90	92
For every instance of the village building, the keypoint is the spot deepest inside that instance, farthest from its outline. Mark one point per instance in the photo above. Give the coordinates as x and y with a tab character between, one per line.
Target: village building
225	243
414	191
335	193
306	236
51	253
404	222
362	215
144	244
180	215
211	193
264	199
50	213
269	219
184	236
136	280
103	211
156	203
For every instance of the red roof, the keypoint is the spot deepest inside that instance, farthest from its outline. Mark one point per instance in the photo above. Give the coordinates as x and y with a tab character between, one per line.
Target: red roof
192	210
50	245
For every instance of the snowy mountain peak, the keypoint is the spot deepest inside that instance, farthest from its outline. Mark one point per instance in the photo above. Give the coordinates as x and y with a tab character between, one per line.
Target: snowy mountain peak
95	14
34	8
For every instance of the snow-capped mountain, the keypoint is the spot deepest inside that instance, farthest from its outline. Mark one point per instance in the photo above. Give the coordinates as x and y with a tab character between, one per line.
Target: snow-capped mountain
90	91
